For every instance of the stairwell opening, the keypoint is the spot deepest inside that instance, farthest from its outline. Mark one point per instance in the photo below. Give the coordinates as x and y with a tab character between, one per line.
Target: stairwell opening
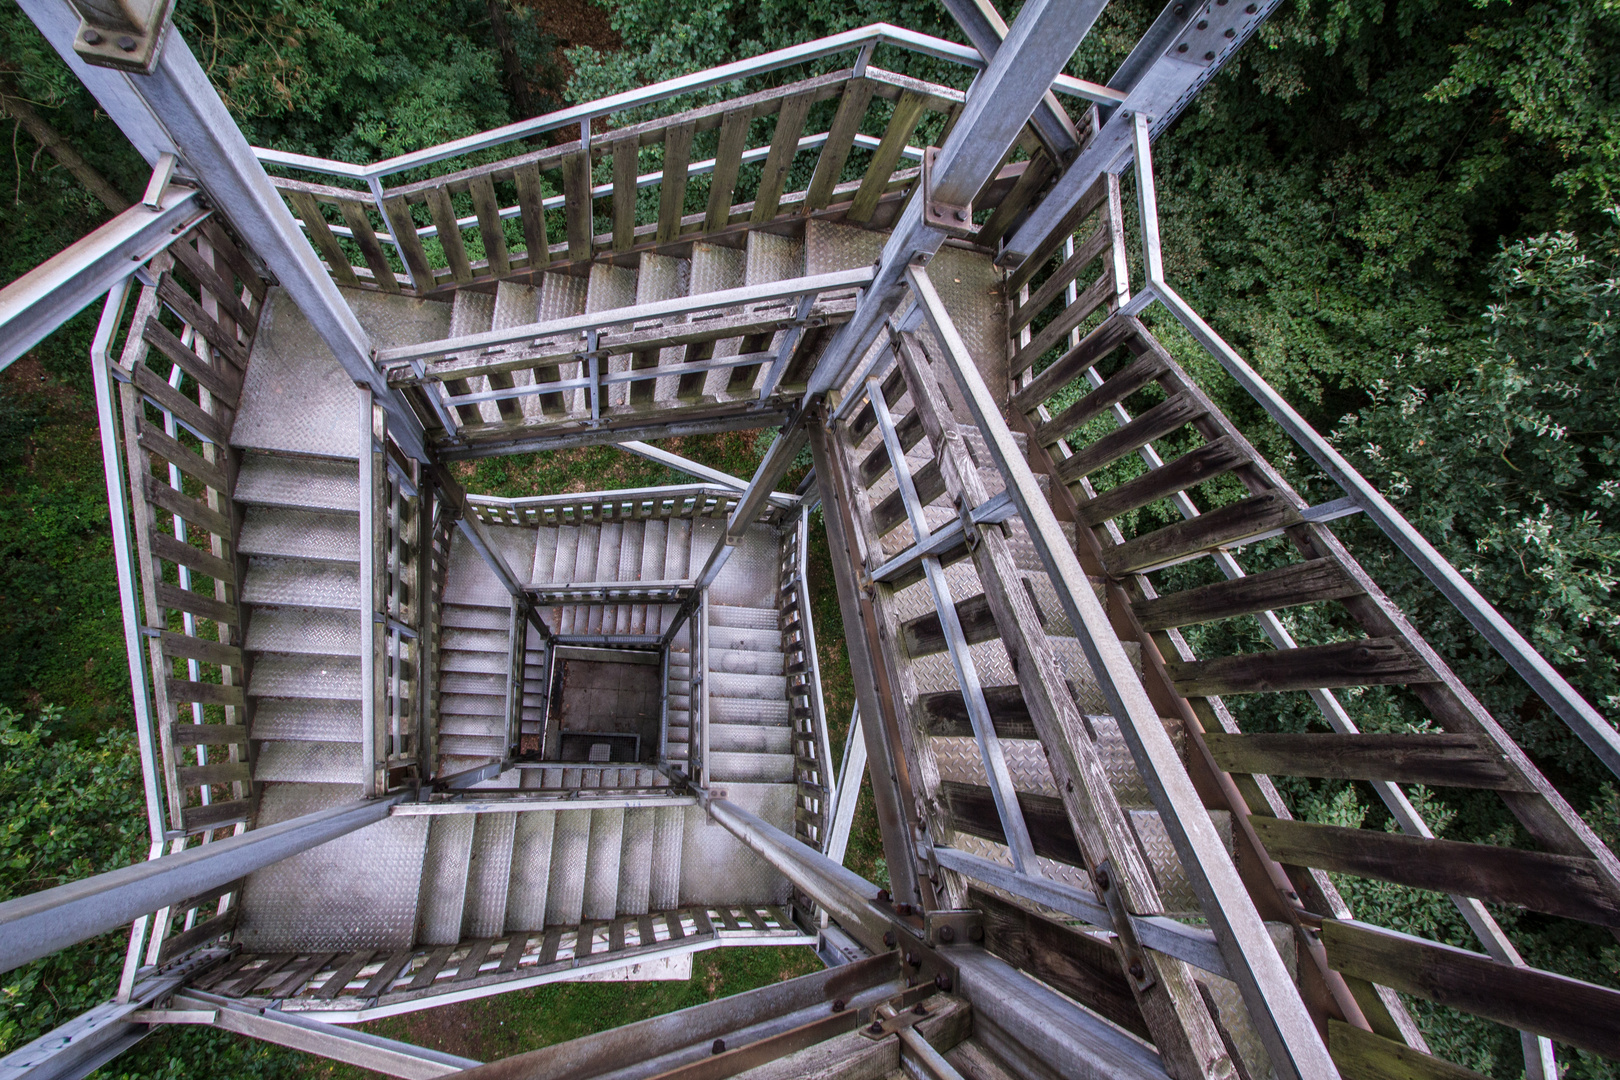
607	707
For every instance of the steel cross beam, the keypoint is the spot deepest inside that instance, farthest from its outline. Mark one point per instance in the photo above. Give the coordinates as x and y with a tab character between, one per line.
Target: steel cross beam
41	923
985	29
1291	1039
184	105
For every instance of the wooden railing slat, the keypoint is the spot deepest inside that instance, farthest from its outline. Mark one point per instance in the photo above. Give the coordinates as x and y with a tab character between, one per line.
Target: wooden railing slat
359	221
531	199
727	163
902	123
444	220
320	233
784	145
490	227
840	138
1369	662
672	189
403	226
1286	586
1444	759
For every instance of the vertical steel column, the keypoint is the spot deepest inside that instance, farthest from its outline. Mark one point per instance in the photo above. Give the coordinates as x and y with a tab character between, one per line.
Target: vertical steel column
700	692
818	705
850	771
373	466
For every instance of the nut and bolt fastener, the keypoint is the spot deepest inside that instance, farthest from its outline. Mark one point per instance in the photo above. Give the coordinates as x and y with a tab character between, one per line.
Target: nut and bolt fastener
1102	880
127	44
883	896
942	983
889	939
1137	970
947	934
91	37
719	1047
920	1009
1182	47
902	909
876	1027
839	1005
913	960
1209	55
975	933
961	215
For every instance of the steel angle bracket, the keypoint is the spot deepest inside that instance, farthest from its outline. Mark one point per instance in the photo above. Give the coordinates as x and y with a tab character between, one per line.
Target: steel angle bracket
922	965
954	927
949	218
900	1013
1135	963
126	36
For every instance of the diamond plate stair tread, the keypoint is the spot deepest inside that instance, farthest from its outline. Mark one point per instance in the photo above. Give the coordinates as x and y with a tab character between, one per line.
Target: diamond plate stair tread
773	258
304	534
602	868
743	638
565	898
664	881
307	720
476	748
444	879
457	682
515	305
308	631
475	618
731	685
358	891
545	555
478	663
473	725
677	555
489	873
468	581
744	663
1176	893
751	768
635	863
530	872
298	583
325	677
464	639
472	705
759	617
308	762
752	575
748	710
749	738
958	760
716	868
298	483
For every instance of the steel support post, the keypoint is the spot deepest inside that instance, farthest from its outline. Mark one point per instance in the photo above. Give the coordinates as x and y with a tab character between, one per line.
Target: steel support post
41	923
1291	1039
60	287
188	109
850	771
985	29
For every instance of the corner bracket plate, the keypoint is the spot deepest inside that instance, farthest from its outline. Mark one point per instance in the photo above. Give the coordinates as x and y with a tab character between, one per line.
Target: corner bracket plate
949	218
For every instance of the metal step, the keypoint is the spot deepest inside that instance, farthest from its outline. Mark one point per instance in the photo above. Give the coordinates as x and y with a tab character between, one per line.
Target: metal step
303	534
460	682
751	768
324	677
762	617
602	871
300	583
530	871
743	639
725	684
545	555
732	710
750	738
475	618
489	873
472	705
630	618
678	549
307	631
473	724
480	747
464	639
635	863
664	883
773	258
298	483
1175	890
743	662
469	581
307	721
309	762
565	899
480	663
444	879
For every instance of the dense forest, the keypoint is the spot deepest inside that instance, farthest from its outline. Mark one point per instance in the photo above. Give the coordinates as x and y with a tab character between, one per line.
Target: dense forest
1402	212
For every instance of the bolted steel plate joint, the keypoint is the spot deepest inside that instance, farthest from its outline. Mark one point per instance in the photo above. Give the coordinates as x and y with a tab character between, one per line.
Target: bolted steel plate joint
127	36
950	218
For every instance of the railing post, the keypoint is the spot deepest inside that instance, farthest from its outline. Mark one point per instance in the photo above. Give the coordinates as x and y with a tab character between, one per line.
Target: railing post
373	465
517	640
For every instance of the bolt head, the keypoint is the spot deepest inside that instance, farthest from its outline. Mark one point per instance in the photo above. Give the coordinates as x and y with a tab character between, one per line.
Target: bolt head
1230	33
1182	47
883	896
961	215
719	1047
126	43
975	933
942	983
1209	55
92	37
1203	24
947	934
876	1027
1102	880
1136	969
1181	9
839	1005
889	939
1251	9
913	960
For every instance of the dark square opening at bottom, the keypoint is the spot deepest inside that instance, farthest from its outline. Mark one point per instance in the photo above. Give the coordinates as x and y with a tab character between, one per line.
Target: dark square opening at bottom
606	703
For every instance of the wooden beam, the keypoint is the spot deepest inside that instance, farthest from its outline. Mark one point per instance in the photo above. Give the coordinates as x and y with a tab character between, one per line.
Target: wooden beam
1444	759
1190	469
1226	525
1369	662
1287	586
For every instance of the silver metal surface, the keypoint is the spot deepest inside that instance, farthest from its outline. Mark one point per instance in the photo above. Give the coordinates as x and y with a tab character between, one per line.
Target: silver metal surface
664	881
299	483
635	863
565	897
308	762
1295	1046
290	719
69	281
602	866
530	872
43	922
306	631
301	534
444	879
327	677
851	776
489	874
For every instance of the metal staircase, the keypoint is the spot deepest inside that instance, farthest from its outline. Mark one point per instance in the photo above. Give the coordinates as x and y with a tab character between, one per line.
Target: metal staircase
399	741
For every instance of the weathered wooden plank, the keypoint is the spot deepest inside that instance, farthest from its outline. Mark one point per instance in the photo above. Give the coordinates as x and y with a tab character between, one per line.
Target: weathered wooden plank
359	223
203	932
672	188
221	384
1079	965
624	194
227	248
925	635
385	976
1116	388
910	430
1443	759
1054	286
430	968
224	772
155	440
1114	332
195	819
1163	419
468	967
1036	172
784	146
183	304
185	647
902	123
973	810
293	980
186	733
1287	586
513	953
170	596
490	227
188	412
840	138
206	693
531	199
1369	662
1528	999
1553	884
344	974
186	508
1221	526
1362	1055
946	713
579	207
1190	469
727	163
209	280
321	235
400	222
930	485
444	220
167	547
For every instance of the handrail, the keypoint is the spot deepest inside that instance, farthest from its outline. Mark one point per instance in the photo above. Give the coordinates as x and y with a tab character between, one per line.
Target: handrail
865	37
